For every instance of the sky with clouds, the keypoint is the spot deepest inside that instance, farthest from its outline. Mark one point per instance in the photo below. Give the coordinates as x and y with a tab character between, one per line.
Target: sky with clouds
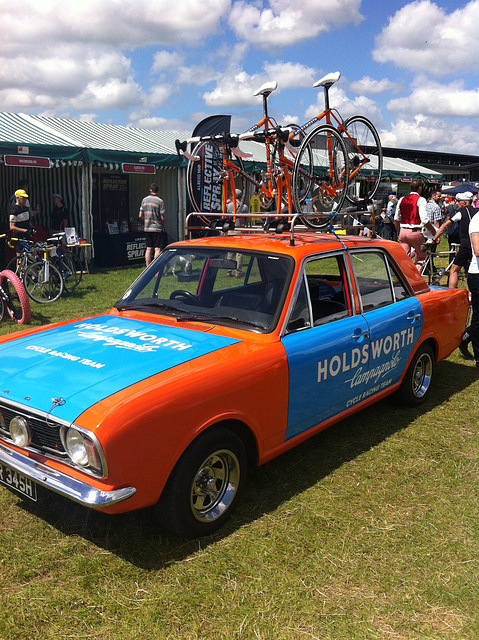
411	67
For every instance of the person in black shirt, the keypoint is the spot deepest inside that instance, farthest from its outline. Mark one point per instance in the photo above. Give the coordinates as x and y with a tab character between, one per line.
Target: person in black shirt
464	215
59	215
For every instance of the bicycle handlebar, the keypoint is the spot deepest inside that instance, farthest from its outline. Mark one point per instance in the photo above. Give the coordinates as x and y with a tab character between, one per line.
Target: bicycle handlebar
231	141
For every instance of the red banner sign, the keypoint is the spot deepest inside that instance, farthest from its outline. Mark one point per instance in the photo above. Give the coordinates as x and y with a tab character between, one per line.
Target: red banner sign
27	161
138	168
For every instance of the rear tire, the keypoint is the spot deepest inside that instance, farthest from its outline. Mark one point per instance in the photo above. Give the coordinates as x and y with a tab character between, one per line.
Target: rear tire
17	305
320	177
416	384
365	156
204	485
71	270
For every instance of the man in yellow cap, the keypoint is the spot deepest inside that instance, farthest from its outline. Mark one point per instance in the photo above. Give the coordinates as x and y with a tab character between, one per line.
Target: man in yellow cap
20	223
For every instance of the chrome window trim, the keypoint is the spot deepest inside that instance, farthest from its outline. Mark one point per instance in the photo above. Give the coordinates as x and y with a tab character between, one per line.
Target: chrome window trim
317	256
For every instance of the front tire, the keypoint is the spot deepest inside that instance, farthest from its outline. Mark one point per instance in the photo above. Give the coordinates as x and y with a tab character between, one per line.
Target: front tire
416	385
43	282
204	485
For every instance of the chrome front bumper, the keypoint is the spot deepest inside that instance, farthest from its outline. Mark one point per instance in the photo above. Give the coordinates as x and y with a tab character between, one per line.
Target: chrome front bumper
66	486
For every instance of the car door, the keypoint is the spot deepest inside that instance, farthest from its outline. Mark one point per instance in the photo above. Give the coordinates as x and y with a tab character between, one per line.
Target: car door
325	343
394	319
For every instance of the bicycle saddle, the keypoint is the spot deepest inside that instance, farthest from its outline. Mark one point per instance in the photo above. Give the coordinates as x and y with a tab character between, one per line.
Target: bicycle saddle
328	80
267	88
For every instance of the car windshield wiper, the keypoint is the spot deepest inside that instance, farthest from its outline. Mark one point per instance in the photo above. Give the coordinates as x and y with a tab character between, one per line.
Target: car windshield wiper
141	305
211	318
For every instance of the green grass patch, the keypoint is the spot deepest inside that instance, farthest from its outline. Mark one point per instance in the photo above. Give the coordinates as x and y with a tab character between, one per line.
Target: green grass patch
367	531
96	293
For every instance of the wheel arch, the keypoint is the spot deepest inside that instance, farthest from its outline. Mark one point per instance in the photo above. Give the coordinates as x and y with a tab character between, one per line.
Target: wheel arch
236	426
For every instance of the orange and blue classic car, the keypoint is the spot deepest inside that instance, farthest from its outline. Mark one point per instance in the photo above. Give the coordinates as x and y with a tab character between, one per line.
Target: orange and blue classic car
224	353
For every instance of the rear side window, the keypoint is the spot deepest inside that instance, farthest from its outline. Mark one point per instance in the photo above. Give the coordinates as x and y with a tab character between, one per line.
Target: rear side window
378	282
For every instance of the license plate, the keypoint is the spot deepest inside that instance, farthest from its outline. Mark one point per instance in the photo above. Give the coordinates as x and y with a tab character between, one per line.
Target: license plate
17	481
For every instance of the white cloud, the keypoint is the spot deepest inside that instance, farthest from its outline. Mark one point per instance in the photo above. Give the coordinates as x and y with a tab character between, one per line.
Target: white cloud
234	90
166	59
339	100
284	23
422	132
422	36
290	75
237	88
432	98
368	86
112	94
68	55
122	24
198	75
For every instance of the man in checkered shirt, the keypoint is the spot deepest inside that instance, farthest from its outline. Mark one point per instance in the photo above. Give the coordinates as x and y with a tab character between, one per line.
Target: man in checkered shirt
433	208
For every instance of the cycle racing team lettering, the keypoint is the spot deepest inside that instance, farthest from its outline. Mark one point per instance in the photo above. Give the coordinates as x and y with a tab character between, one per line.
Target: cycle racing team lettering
352	360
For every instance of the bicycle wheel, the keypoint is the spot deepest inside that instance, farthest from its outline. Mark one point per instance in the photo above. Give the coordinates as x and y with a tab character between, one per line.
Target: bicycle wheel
43	282
210	182
13	265
290	154
320	176
16	302
19	266
71	270
365	157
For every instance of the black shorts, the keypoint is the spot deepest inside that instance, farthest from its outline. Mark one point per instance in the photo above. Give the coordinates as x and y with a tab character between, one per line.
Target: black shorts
463	256
154	239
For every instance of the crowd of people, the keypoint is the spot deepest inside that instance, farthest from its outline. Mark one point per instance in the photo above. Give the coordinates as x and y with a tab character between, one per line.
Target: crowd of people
418	222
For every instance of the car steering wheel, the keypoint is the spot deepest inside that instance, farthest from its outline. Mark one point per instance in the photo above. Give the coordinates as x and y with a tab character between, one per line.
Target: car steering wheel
189	297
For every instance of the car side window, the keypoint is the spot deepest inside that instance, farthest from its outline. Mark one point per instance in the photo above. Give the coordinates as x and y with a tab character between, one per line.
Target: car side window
327	289
378	282
300	317
400	291
323	295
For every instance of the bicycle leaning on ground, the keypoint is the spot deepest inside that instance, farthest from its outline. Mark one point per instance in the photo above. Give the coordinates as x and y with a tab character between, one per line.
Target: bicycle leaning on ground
439	276
336	161
66	262
13	297
42	280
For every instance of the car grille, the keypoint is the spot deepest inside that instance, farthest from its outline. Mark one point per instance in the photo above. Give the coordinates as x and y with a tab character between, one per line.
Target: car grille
45	435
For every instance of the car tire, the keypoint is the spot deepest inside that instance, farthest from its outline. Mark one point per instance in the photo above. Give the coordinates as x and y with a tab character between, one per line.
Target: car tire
416	384
204	485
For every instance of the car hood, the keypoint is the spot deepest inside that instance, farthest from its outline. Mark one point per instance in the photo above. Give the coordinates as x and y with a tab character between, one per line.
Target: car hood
65	370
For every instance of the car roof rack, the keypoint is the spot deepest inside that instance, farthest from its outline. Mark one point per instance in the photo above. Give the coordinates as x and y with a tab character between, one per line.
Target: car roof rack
198	224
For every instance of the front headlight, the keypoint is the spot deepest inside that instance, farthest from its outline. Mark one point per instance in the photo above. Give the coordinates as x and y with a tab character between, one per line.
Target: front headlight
20	432
81	449
75	447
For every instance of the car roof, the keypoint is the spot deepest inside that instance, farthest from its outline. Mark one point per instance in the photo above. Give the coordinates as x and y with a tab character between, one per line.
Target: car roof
303	244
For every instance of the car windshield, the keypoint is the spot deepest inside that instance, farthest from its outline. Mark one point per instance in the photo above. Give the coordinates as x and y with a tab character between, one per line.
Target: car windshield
241	288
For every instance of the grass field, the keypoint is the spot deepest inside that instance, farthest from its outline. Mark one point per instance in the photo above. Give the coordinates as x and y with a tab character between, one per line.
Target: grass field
367	531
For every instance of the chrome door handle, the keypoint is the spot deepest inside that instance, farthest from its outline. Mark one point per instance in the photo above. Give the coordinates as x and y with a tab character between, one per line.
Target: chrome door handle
413	317
363	334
